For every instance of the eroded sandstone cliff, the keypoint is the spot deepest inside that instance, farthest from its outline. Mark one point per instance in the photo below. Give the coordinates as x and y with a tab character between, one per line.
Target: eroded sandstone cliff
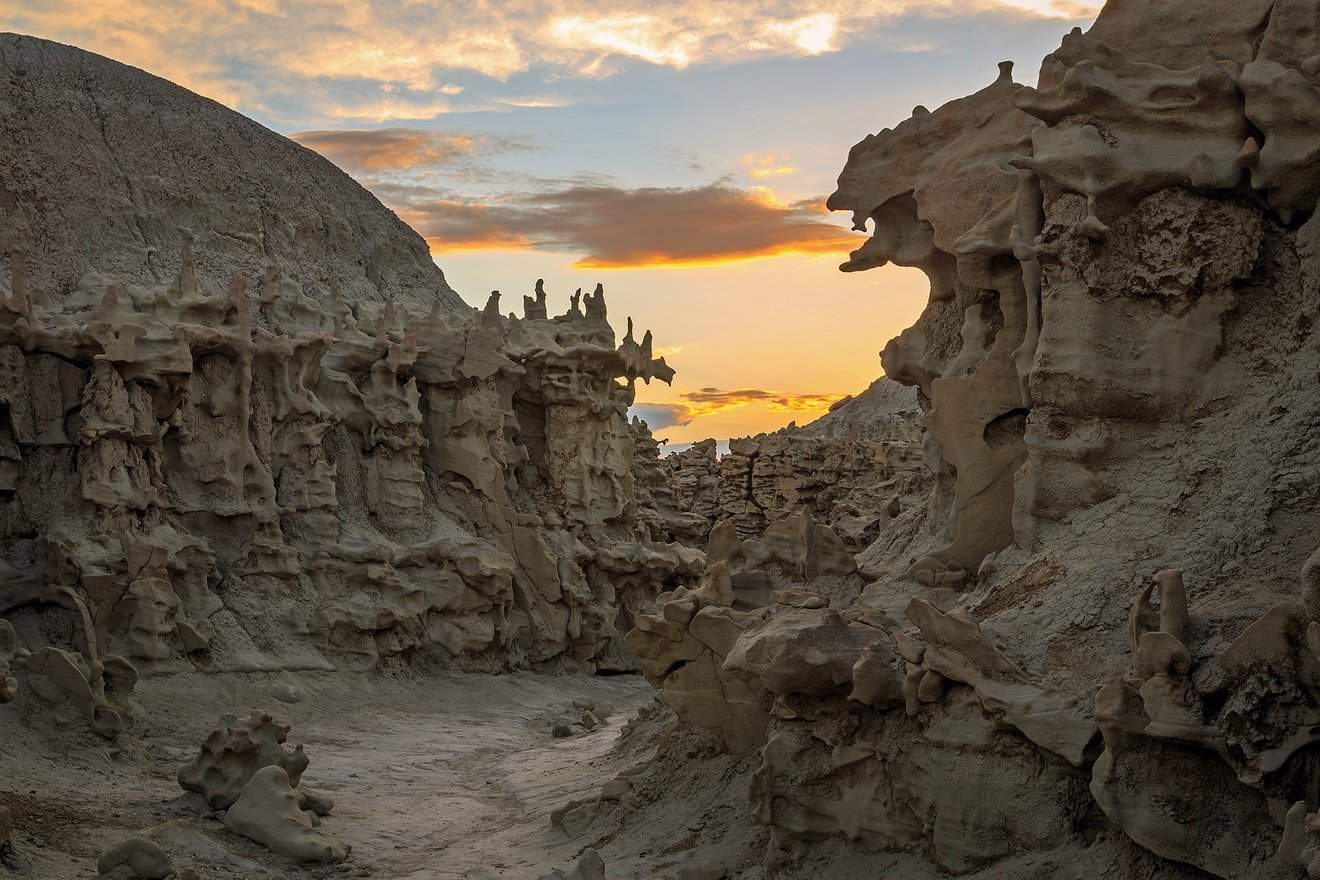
1094	650
247	425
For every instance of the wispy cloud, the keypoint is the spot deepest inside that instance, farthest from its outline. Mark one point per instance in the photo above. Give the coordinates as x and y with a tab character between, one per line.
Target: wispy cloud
708	401
410	53
368	151
764	165
535	102
688	159
387	109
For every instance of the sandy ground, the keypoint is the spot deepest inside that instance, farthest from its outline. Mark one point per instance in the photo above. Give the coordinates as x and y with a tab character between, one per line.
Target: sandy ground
438	776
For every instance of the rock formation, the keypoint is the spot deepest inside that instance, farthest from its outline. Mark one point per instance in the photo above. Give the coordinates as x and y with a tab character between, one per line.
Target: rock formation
249	428
1089	649
234	752
268	812
140	858
853	469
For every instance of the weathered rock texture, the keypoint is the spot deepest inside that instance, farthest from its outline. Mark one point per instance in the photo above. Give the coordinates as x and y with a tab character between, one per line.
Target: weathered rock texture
1094	651
854	469
247	425
268	812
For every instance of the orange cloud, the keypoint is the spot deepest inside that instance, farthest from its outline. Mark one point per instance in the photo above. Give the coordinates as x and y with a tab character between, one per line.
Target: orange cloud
708	401
615	228
762	165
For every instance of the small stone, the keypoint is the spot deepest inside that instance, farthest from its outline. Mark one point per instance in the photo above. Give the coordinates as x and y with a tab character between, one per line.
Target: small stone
798	599
615	789
562	729
285	692
141	857
317	802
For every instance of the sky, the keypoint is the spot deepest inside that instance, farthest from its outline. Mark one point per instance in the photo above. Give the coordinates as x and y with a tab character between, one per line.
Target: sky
677	151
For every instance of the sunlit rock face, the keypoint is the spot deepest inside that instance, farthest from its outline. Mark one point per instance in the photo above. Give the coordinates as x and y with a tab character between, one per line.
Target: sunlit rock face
247	425
1095	650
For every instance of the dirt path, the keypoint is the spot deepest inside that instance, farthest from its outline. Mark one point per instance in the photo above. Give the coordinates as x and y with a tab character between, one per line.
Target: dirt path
448	776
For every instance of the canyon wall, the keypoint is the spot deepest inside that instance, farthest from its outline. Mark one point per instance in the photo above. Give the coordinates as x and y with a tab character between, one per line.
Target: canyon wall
1094	650
282	442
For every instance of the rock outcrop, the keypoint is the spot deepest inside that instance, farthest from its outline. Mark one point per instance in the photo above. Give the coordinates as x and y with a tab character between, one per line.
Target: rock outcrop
269	813
233	753
103	163
247	425
853	469
1088	652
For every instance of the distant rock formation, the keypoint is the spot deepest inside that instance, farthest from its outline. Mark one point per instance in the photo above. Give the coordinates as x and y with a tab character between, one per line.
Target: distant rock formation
1094	651
854	469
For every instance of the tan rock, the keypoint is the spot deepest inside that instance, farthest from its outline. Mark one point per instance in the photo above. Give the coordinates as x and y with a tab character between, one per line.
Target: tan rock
267	812
141	857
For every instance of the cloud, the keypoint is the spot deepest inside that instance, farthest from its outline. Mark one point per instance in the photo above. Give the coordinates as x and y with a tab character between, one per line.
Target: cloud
708	401
409	51
387	109
659	416
688	159
813	34
762	165
405	149
534	102
613	227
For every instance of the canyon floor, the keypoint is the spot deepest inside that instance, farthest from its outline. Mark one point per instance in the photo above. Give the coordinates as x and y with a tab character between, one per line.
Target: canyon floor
436	776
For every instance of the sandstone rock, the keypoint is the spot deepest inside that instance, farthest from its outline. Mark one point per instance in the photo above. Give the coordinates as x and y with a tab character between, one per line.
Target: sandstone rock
384	470
590	866
314	801
267	812
615	789
285	692
574	817
847	470
801	650
234	752
141	857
